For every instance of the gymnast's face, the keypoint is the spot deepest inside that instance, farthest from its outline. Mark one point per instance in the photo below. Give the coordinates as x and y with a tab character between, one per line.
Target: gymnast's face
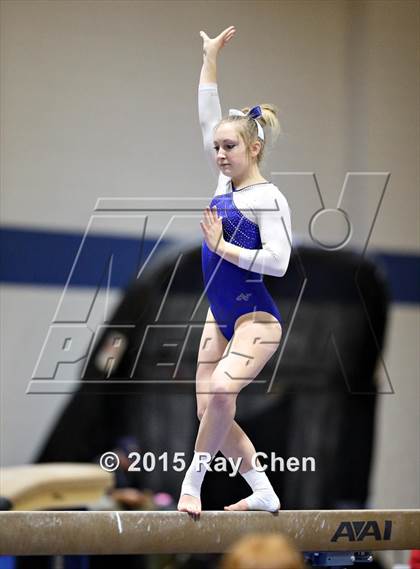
232	156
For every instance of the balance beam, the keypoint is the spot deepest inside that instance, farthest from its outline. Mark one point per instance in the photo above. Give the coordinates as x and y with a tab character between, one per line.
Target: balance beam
110	533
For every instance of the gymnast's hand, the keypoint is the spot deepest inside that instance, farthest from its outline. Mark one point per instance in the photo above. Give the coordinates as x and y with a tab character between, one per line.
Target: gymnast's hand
213	230
212	46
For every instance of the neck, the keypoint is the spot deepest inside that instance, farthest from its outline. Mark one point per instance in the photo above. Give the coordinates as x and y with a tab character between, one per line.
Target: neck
252	176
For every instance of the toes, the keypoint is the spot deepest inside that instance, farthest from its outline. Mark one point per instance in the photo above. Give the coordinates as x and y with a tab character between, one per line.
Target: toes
240	506
233	507
189	508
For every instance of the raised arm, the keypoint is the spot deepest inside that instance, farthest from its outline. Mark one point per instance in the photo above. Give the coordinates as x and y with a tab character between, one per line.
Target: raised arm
209	114
209	111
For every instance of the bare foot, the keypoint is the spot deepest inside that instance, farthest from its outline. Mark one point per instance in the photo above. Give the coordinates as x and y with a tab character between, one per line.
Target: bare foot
189	504
240	506
266	504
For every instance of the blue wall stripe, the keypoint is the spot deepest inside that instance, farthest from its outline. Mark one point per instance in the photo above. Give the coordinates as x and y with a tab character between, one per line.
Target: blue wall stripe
403	274
36	257
45	258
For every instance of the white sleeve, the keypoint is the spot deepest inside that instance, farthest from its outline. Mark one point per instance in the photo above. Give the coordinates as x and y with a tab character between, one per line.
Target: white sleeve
272	212
209	114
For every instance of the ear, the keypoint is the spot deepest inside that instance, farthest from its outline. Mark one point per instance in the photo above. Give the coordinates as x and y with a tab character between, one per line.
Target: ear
255	148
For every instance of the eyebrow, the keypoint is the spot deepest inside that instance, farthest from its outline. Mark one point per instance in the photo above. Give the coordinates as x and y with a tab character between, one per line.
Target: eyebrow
225	140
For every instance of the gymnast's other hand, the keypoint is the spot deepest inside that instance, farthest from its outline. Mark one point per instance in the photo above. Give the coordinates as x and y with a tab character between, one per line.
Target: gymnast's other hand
212	229
212	46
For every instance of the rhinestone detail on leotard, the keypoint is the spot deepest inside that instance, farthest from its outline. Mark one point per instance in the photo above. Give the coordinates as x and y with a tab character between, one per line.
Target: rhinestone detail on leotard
237	229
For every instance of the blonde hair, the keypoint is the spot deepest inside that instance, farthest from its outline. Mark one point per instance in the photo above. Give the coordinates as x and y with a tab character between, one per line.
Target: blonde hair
262	551
247	128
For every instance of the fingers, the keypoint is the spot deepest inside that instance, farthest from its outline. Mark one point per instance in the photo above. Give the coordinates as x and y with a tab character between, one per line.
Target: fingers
228	30
210	227
214	215
224	36
228	33
215	44
210	216
207	221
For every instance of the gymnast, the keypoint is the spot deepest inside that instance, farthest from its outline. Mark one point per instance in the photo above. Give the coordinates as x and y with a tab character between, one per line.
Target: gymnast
247	234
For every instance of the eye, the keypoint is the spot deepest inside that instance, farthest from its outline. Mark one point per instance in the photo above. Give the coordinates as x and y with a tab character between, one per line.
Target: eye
228	146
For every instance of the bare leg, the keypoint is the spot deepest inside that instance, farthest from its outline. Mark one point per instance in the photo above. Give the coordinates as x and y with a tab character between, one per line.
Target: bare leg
237	445
234	371
212	348
216	422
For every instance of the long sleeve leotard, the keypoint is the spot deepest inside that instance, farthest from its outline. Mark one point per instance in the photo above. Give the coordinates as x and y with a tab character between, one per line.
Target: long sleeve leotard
257	219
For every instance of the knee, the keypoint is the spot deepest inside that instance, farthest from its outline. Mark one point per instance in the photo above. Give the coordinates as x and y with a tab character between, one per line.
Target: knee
221	397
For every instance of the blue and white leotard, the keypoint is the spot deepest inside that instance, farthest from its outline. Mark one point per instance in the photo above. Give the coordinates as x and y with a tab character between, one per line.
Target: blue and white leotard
255	218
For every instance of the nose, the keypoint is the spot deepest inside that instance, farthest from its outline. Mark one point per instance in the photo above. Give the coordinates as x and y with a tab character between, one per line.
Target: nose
220	153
